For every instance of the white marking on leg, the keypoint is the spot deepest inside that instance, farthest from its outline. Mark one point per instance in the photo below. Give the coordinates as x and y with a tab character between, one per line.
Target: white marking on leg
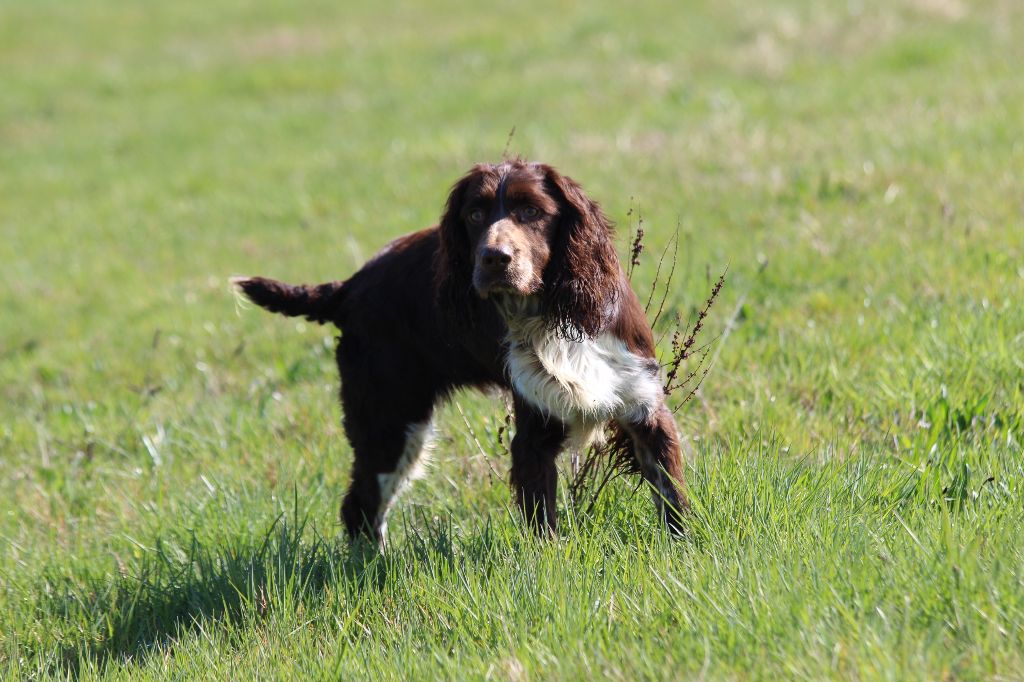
410	466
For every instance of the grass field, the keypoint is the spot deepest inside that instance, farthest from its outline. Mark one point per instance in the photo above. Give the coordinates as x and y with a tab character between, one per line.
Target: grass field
171	464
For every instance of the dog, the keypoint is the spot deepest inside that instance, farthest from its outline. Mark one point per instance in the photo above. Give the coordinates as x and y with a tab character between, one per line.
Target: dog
519	287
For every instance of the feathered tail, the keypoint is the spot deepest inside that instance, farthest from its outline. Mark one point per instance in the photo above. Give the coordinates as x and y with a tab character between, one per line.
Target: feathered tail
321	303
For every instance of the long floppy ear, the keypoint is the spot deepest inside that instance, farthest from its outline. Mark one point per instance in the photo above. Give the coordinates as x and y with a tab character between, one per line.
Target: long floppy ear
581	282
453	269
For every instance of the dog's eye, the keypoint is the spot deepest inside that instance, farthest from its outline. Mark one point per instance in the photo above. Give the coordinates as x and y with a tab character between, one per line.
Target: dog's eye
529	212
476	217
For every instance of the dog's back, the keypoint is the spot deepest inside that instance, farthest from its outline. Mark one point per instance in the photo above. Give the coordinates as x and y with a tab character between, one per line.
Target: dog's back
391	303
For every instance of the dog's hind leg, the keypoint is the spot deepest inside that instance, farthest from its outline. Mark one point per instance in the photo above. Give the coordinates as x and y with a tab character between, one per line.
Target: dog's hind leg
381	474
389	430
418	441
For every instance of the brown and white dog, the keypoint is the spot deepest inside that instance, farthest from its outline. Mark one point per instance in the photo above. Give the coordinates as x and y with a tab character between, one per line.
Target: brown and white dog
519	287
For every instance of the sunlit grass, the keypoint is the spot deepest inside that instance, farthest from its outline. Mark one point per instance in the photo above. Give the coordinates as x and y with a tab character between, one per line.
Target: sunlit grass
171	464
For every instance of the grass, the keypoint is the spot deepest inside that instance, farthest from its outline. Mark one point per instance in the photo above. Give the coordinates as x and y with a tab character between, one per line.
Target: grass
171	467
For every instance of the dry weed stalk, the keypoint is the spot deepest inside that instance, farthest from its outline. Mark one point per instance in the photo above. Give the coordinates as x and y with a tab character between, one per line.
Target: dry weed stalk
685	369
602	463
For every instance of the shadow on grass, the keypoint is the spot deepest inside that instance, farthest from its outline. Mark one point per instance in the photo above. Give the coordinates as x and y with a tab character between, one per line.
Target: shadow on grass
176	588
181	586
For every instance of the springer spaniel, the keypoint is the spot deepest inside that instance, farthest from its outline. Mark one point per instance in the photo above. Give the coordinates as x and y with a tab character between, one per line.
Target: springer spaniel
519	287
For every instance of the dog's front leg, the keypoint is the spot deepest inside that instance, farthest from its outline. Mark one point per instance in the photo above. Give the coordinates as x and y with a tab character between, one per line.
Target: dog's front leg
657	452
537	442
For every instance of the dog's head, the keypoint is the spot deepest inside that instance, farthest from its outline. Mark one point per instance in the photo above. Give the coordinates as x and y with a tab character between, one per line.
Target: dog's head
521	229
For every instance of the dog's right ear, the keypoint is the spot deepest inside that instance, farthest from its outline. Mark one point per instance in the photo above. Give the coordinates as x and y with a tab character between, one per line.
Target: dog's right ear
453	270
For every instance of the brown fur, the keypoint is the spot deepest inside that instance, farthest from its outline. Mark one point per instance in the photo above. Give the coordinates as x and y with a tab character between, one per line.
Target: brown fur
420	320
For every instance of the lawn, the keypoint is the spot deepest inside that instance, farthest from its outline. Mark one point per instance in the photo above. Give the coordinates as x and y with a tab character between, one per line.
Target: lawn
171	463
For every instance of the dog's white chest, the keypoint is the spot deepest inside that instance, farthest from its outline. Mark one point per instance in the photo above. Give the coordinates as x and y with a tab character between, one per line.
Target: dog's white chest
589	381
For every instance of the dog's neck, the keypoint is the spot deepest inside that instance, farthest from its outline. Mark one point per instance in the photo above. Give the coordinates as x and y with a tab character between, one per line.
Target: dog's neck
527	324
522	314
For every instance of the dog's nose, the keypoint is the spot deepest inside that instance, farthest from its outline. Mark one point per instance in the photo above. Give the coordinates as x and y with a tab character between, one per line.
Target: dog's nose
496	257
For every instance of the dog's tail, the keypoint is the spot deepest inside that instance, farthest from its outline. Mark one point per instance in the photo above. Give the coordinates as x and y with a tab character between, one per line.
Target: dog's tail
320	303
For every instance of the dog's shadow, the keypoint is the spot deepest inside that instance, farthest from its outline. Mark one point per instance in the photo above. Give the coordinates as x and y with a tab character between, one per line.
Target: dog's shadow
177	589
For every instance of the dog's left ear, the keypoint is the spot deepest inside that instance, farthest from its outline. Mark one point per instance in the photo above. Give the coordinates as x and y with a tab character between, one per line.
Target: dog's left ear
581	282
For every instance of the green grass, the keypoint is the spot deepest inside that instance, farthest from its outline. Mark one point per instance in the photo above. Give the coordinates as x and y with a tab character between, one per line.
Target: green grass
171	465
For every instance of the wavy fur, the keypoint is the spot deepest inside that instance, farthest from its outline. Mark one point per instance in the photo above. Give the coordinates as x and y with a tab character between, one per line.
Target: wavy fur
518	287
581	281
